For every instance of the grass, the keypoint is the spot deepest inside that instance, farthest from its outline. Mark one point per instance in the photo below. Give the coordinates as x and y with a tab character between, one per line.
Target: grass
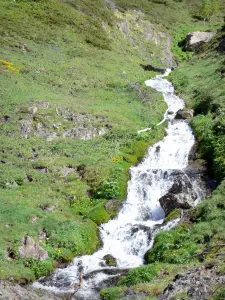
51	71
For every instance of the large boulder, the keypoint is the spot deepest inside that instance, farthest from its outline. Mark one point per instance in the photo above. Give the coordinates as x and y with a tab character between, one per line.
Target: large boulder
184	114
181	195
195	40
31	249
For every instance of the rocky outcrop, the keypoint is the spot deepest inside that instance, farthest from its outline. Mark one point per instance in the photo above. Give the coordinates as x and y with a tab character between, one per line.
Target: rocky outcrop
53	121
141	33
195	40
198	284
30	249
181	195
184	114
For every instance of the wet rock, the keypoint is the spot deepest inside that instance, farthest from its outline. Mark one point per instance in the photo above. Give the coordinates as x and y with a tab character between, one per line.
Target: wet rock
31	249
184	114
195	40
153	68
110	260
181	195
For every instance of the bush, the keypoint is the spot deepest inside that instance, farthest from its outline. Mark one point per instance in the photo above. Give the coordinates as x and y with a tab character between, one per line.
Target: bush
139	275
175	246
76	236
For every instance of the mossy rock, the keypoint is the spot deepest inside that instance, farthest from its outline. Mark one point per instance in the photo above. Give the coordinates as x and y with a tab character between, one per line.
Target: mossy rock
99	214
110	260
175	214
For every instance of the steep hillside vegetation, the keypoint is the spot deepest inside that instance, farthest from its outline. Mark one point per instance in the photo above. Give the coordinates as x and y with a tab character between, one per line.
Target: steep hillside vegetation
72	101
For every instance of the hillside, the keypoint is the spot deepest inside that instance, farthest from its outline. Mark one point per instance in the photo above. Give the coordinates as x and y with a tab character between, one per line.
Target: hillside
72	101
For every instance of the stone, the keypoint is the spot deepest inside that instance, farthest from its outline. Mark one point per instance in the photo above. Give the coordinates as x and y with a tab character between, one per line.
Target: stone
181	195
153	68
65	171
25	129
110	260
33	219
12	291
195	40
184	114
47	207
31	249
111	205
221	47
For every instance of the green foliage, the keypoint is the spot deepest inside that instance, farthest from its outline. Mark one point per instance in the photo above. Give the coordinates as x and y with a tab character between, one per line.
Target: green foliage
110	294
175	214
39	268
175	246
76	236
139	275
219	293
98	214
201	81
208	8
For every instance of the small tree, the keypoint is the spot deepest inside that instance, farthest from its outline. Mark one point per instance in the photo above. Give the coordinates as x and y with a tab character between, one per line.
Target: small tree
208	9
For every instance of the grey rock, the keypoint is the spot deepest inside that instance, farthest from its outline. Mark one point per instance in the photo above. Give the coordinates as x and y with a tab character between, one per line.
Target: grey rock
10	291
65	171
153	68
25	129
197	283
184	114
181	195
111	205
195	40
31	249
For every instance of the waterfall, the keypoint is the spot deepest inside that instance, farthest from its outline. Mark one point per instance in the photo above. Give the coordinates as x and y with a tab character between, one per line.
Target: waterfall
130	234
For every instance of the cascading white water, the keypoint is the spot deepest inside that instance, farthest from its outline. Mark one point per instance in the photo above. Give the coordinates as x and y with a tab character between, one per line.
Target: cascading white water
130	235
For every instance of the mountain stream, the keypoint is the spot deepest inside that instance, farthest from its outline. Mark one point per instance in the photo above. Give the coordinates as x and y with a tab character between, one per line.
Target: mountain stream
131	233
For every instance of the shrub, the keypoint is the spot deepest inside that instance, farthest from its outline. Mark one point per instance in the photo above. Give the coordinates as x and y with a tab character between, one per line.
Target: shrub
139	275
175	246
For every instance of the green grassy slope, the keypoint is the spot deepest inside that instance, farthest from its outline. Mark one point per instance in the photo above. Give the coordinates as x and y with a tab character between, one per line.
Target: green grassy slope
68	68
61	70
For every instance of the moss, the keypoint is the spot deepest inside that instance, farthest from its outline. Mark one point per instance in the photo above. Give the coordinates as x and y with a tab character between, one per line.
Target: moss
110	294
98	214
175	214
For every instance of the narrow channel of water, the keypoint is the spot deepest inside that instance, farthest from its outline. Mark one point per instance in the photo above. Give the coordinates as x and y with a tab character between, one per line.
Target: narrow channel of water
130	234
